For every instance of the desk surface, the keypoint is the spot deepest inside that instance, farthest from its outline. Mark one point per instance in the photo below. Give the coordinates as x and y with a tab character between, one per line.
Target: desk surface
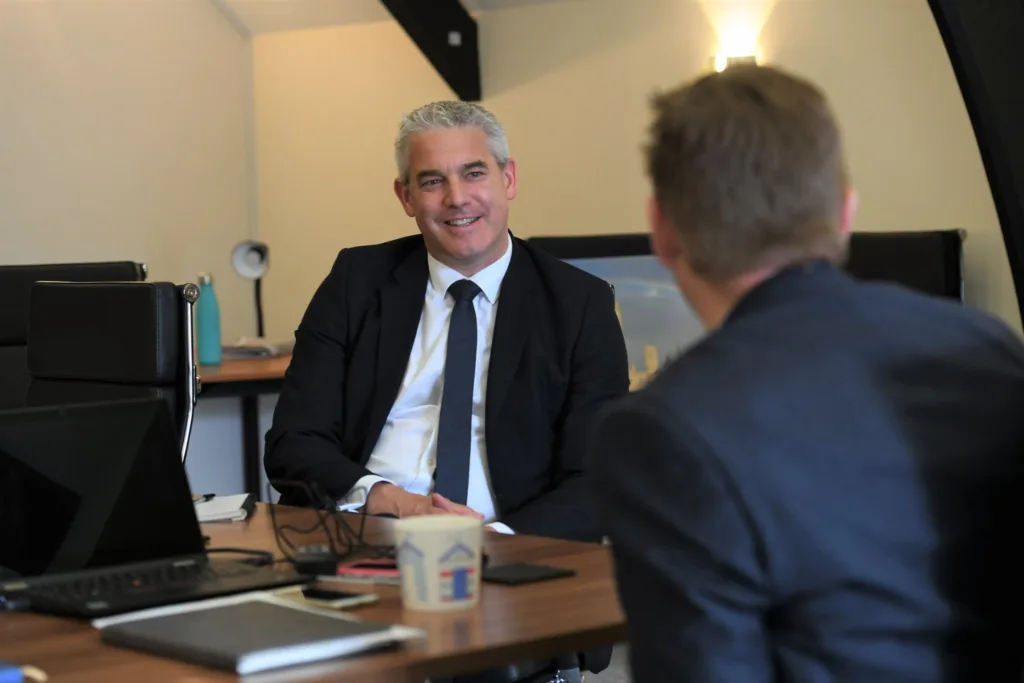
245	370
511	623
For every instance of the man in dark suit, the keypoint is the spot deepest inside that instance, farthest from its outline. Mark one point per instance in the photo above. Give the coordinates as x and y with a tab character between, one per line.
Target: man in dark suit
362	415
827	487
456	371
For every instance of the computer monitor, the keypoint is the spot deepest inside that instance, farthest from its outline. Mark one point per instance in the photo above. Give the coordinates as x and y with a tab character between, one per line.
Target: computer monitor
657	322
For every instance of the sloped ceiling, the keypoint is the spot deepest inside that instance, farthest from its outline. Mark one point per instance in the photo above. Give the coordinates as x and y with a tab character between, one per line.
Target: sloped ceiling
270	16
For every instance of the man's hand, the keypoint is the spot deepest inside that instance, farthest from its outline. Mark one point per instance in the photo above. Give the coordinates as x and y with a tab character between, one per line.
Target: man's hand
451	508
388	499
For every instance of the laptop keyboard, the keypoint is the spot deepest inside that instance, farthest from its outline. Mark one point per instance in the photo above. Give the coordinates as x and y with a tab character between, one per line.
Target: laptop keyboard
126	584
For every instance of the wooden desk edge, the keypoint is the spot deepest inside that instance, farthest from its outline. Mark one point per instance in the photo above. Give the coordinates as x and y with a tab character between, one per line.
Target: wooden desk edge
70	649
245	370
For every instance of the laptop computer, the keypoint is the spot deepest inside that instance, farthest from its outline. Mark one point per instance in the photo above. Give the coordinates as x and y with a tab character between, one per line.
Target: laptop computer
96	515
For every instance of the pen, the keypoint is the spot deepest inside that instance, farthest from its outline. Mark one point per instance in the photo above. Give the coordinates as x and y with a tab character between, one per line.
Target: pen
203	497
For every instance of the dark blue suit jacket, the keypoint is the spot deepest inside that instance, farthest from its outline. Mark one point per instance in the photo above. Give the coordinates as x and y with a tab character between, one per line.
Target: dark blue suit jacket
556	357
827	488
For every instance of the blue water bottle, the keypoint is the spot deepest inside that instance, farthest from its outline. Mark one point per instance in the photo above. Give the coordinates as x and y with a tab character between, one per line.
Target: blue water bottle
207	322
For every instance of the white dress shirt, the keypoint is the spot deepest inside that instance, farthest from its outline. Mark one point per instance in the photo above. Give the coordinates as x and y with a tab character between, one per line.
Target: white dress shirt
406	451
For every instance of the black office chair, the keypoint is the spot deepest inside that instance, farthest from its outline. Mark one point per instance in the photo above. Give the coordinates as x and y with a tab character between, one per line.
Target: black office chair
15	286
929	261
112	341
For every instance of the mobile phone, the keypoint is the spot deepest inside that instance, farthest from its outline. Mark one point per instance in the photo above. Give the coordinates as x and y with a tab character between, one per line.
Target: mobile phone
520	573
335	598
328	597
381	565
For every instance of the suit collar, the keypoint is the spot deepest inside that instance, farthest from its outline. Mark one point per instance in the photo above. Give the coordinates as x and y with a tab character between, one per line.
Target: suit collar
401	304
412	269
512	326
798	281
441	277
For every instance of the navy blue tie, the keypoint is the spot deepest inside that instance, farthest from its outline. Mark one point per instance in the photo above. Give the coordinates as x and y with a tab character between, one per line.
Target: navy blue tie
454	426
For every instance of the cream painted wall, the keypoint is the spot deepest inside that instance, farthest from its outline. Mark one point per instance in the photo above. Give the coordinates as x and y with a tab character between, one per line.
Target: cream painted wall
571	82
327	104
124	135
912	151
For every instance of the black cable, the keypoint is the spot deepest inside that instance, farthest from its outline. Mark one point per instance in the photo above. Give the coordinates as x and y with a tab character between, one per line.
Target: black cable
343	540
339	546
372	549
358	540
259	307
336	545
357	537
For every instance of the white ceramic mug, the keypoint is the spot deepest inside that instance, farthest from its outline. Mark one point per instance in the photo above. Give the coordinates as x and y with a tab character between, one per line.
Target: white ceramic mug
439	559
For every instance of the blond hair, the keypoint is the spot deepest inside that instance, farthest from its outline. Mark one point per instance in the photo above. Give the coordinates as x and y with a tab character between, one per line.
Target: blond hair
748	166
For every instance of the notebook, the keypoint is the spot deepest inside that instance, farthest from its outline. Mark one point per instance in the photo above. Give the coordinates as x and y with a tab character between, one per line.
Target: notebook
249	633
235	508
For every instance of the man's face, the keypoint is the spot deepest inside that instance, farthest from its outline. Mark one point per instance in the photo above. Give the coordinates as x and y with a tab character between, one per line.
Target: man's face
459	197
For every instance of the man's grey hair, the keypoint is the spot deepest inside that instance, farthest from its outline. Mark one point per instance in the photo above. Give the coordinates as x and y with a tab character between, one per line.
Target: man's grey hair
447	115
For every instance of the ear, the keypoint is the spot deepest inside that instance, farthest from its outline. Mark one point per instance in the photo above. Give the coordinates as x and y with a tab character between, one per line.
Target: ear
508	176
664	241
850	203
404	195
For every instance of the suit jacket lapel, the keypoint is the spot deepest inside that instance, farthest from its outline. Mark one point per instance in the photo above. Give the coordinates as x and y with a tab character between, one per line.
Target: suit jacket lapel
511	329
401	306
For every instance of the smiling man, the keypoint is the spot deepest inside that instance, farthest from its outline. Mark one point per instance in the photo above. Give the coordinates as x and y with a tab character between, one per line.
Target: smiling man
454	371
457	370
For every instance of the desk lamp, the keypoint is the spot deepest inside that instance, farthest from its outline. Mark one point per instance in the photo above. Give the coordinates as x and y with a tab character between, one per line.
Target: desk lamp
251	260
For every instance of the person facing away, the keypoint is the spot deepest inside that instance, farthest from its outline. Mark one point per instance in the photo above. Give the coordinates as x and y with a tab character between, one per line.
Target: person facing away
827	487
454	371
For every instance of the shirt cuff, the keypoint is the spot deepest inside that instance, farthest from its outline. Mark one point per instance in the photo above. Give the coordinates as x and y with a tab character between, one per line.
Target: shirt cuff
501	528
355	499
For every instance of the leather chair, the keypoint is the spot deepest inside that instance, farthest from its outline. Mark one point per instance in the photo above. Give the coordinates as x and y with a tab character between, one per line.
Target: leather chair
929	261
91	342
15	287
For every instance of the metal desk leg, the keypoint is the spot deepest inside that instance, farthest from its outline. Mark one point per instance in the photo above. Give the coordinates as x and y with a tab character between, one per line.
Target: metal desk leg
251	466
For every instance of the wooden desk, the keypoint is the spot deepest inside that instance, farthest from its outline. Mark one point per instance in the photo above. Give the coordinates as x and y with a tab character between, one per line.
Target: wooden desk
247	379
511	624
239	372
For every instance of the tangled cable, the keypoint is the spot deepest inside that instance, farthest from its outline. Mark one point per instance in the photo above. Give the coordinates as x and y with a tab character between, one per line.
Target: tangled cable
343	539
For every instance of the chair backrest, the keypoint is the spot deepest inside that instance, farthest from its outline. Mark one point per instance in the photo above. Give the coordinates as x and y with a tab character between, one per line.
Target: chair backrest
113	340
15	288
929	261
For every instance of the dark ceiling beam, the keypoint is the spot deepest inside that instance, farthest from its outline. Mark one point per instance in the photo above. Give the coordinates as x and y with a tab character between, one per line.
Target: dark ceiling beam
983	39
447	35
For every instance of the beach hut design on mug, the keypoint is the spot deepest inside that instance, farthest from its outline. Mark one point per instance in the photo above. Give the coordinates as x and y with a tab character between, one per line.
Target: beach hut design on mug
411	556
456	566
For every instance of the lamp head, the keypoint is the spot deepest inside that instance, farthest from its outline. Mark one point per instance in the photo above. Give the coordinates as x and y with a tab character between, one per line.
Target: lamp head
251	259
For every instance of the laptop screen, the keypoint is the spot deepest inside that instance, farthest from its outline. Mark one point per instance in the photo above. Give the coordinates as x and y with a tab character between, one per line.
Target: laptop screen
91	486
